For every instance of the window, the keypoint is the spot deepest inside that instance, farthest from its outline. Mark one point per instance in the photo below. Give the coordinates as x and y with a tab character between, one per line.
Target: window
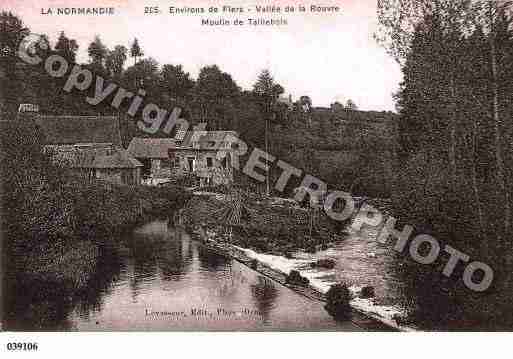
191	162
175	162
166	163
224	161
210	162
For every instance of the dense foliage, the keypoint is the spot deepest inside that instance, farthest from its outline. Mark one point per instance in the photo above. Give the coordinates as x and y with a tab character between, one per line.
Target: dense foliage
48	215
455	164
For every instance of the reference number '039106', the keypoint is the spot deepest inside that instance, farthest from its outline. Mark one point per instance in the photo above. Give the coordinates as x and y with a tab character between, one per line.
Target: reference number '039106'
22	346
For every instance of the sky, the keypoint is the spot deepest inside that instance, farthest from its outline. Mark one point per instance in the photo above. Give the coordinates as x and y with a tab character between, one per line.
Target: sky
327	56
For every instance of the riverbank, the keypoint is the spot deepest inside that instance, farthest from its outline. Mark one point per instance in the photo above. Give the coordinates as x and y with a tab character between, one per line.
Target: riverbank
69	257
271	225
277	260
54	223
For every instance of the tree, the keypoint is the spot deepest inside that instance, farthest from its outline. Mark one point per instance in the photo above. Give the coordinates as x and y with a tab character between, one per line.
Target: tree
453	104
268	92
175	82
115	60
448	24
66	47
399	19
215	94
494	11
97	51
144	74
336	106
12	32
267	89
305	103
351	106
443	23
135	50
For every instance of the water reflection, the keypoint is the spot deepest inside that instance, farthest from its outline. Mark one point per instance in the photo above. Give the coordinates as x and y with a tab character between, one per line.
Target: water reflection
159	269
110	269
209	262
265	295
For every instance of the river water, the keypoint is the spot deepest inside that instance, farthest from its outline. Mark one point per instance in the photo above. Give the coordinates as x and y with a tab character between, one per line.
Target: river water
158	278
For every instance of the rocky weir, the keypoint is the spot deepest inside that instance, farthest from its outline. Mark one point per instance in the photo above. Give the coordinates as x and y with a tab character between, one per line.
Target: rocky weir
298	248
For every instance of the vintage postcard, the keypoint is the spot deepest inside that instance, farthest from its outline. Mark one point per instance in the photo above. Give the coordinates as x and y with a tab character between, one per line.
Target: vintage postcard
256	166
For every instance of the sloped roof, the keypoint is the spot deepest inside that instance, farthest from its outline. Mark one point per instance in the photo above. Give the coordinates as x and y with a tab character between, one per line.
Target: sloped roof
207	139
120	159
80	129
96	156
151	147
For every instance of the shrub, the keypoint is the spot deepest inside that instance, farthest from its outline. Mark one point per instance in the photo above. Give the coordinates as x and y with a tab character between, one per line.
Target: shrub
295	278
253	264
311	248
289	255
401	319
324	263
338	298
261	244
367	292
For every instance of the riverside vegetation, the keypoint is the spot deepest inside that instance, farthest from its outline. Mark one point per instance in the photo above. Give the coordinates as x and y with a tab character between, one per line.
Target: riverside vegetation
269	225
53	224
447	169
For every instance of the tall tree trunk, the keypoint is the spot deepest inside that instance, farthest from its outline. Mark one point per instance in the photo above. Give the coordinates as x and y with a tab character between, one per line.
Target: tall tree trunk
501	180
475	185
452	139
268	189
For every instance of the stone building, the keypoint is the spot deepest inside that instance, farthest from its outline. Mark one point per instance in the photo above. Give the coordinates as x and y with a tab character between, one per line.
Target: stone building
198	155
193	156
156	156
91	147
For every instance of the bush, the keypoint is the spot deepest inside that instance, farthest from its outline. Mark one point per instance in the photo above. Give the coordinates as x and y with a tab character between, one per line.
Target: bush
45	204
295	278
311	248
261	244
289	255
338	298
324	263
254	264
367	292
216	189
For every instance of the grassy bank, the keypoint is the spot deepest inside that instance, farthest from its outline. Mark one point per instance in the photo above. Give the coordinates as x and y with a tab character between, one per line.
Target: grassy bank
53	224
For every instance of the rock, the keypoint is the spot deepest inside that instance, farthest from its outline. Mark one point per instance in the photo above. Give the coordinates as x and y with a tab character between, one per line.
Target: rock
311	249
295	278
289	255
324	263
253	264
367	292
401	319
338	298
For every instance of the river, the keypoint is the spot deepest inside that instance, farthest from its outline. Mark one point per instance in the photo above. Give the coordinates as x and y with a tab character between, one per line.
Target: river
157	278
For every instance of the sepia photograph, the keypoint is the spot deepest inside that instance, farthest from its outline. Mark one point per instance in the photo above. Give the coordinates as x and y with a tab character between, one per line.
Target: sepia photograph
201	166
